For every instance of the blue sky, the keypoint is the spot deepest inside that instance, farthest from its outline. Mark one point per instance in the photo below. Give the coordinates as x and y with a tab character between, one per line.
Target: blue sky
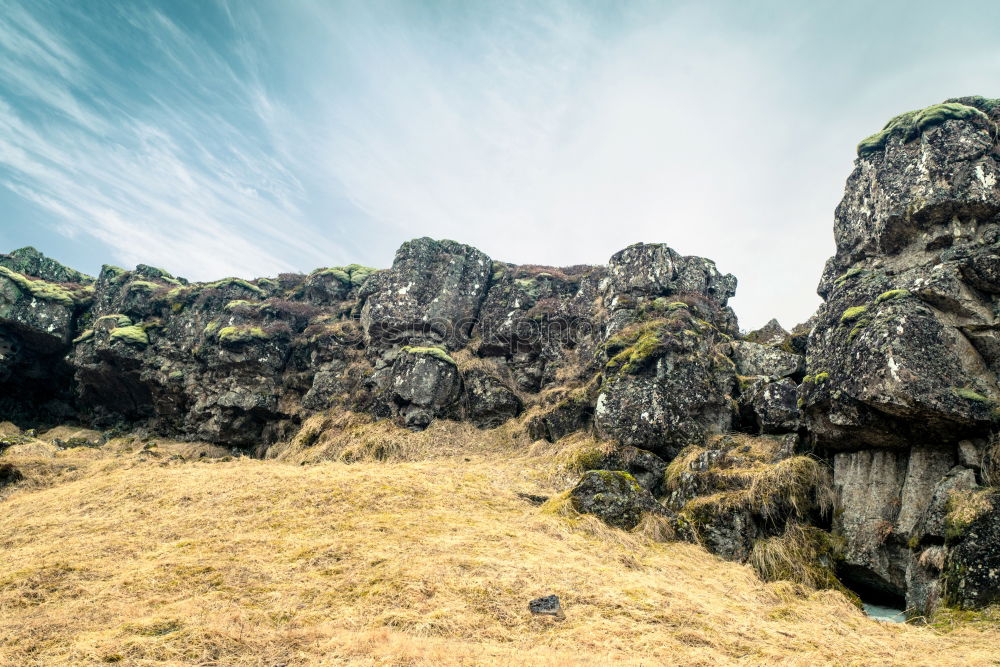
246	138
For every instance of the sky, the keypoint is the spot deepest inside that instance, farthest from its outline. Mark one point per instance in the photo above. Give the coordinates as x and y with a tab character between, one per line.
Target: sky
251	137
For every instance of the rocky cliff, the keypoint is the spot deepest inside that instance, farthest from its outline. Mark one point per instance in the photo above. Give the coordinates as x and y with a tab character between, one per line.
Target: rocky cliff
862	442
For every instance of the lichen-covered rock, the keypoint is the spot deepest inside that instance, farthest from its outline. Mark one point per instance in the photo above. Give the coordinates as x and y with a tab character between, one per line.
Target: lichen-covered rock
30	262
432	294
613	496
770	407
648	271
243	362
645	467
907	335
543	321
972	568
668	382
489	402
425	384
772	362
771	333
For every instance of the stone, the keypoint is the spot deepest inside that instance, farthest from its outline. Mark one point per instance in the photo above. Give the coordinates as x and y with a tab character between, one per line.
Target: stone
547	606
423	385
972	568
613	496
432	294
646	467
772	362
489	401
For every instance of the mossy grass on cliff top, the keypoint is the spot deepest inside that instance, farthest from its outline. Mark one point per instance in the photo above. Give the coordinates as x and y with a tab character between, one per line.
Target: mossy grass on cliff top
908	126
964	508
46	291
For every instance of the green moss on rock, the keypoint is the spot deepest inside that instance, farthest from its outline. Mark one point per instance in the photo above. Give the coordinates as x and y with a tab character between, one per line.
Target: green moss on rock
436	352
970	395
86	335
908	126
133	335
891	294
239	335
852	314
119	319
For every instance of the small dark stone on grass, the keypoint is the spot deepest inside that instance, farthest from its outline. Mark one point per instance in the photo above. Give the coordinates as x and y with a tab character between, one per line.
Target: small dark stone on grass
547	606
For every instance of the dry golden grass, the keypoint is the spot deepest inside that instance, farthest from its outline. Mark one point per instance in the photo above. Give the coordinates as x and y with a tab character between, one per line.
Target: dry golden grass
140	557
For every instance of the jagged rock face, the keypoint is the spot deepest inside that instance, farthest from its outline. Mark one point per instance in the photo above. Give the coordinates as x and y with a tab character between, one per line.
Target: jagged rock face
432	294
903	357
444	333
907	339
614	496
668	379
541	321
37	321
972	568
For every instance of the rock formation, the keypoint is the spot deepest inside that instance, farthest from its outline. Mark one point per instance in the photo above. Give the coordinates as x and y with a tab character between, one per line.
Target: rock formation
862	441
901	387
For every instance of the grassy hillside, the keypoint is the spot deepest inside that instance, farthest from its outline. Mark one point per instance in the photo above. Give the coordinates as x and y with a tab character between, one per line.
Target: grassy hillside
141	555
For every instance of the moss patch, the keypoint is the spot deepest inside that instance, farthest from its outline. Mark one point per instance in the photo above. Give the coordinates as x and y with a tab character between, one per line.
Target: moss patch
235	282
46	291
908	126
964	508
891	294
852	314
436	352
970	395
133	335
86	335
240	335
119	319
844	277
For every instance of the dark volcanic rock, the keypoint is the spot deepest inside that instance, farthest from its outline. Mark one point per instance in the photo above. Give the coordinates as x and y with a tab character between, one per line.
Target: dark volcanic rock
668	378
907	337
613	496
972	568
432	294
903	357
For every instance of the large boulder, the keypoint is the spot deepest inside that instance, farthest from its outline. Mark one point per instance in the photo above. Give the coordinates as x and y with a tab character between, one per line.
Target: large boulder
425	384
668	382
432	294
614	496
906	344
972	568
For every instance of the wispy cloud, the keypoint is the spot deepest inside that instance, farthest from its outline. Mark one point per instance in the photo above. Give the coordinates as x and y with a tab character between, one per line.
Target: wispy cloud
165	163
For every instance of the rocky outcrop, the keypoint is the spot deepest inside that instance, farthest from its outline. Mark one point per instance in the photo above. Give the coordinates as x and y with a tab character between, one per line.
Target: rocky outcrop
613	496
444	333
668	379
903	359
